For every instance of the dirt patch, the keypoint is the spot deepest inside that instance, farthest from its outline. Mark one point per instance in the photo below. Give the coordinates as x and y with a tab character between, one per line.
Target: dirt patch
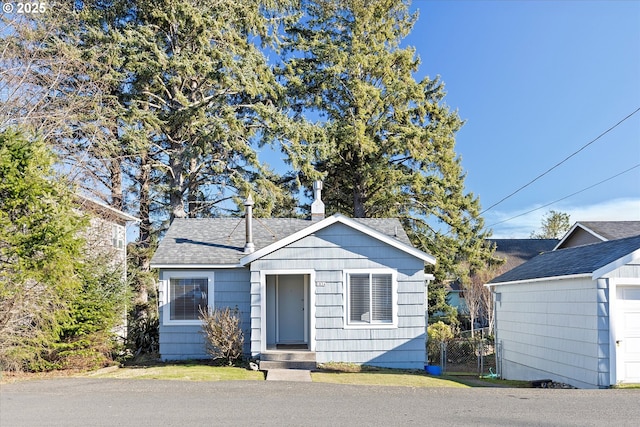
7	377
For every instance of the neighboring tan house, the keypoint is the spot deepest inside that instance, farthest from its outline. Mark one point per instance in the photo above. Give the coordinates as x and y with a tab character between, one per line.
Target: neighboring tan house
336	288
572	315
587	232
107	230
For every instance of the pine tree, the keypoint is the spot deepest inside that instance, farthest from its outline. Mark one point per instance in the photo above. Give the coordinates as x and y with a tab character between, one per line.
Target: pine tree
391	138
554	225
39	245
200	96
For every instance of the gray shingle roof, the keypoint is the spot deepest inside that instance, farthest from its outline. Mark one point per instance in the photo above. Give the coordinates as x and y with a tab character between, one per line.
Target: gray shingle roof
220	241
517	251
612	230
576	260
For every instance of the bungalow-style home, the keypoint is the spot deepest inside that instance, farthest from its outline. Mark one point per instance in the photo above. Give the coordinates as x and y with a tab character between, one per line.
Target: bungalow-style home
340	289
572	315
587	232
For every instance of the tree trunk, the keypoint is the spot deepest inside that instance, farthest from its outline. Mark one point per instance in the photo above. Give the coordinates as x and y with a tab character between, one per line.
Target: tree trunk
115	173
176	183
192	194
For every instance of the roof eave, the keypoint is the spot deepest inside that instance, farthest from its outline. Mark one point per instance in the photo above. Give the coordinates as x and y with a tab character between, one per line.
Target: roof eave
122	215
570	232
539	279
606	269
195	266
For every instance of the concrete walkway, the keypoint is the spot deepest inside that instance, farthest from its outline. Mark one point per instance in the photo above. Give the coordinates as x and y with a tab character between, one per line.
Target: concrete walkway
296	375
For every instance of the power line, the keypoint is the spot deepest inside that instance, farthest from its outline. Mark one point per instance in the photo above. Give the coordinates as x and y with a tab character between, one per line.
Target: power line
566	197
559	163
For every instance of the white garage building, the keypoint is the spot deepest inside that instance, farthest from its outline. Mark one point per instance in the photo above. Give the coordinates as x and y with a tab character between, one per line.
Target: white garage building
572	316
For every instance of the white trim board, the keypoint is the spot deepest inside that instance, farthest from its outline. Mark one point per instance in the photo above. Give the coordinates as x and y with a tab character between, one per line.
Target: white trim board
570	232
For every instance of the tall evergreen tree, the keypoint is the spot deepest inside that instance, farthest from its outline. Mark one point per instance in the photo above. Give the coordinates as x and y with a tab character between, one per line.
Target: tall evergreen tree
391	138
39	246
201	95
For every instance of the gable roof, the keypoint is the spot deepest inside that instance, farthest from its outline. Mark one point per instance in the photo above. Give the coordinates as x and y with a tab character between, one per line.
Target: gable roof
219	242
518	251
365	227
103	210
579	260
603	230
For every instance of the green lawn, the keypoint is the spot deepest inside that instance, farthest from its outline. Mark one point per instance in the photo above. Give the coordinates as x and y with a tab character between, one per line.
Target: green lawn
386	378
330	373
198	372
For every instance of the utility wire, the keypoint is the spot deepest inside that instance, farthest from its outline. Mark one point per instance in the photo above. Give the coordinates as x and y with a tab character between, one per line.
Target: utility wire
566	197
561	162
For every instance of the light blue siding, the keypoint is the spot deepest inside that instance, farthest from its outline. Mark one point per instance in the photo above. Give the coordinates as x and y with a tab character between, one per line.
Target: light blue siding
329	252
183	342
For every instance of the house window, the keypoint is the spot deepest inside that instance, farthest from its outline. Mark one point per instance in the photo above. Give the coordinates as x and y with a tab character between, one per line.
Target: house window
370	298
187	297
117	240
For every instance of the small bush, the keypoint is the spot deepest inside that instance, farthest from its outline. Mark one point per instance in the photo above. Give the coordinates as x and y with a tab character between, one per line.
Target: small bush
223	333
143	336
437	333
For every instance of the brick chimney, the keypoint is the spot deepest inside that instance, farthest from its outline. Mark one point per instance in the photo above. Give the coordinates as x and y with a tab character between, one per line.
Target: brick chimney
317	207
248	218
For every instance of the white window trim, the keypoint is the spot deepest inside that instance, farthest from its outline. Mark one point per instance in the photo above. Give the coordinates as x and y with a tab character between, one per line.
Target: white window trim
394	298
166	288
263	305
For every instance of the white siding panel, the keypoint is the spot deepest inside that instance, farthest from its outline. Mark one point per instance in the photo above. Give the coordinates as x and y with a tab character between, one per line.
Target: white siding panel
629	270
550	330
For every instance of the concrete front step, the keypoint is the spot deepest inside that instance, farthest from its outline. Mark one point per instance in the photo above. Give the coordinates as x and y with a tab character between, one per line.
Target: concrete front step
305	360
306	356
267	365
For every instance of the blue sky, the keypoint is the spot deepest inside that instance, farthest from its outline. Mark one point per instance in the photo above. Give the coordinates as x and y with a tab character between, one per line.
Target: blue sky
536	81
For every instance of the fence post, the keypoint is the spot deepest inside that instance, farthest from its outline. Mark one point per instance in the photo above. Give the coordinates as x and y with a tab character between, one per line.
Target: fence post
499	359
443	356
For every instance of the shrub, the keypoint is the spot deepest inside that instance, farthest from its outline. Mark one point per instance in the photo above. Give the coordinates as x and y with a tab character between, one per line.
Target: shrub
437	333
223	334
143	336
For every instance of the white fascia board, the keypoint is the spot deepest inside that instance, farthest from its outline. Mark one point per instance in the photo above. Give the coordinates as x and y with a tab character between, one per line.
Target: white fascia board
604	270
570	232
540	279
195	266
330	221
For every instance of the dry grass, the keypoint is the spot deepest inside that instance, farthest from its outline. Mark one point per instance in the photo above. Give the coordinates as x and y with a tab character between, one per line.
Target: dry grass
184	372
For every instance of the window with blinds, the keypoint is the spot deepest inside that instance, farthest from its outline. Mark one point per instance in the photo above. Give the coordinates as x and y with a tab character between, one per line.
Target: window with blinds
370	298
188	296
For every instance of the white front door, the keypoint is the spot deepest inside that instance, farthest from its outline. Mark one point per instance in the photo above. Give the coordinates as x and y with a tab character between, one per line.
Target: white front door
291	309
628	338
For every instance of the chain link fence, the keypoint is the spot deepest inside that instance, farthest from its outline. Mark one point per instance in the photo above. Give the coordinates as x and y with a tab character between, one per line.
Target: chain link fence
473	354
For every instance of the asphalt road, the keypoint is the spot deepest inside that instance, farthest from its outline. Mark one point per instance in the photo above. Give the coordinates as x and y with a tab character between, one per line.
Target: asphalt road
112	402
